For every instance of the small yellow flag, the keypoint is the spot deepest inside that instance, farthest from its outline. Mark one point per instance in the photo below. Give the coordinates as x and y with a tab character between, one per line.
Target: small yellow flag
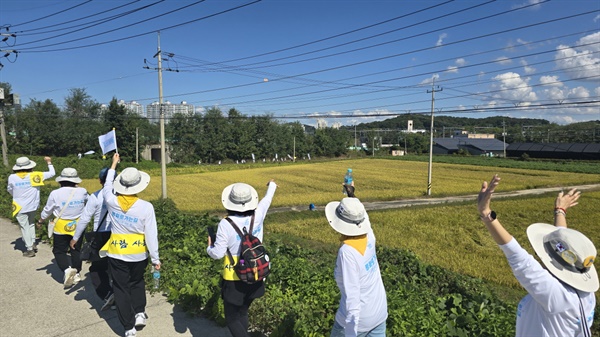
36	178
15	208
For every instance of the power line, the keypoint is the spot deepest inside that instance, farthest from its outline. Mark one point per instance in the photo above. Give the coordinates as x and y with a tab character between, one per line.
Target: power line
53	14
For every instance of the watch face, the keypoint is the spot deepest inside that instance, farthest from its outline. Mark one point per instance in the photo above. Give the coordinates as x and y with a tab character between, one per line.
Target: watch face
493	215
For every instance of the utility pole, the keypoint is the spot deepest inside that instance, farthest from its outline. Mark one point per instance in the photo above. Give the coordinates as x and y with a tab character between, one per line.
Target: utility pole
294	160
2	130
163	155
504	136
432	91
137	147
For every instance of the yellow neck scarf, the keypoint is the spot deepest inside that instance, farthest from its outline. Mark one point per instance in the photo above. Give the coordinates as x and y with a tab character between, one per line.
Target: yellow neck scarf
21	174
126	201
357	242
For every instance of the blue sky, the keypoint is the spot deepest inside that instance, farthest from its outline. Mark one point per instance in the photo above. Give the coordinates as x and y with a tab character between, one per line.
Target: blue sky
344	61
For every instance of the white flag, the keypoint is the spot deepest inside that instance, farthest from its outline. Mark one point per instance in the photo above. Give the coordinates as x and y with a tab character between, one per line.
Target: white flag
276	156
308	154
290	157
108	142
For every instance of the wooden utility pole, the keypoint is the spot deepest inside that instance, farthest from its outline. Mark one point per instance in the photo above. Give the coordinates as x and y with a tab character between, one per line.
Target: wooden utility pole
432	91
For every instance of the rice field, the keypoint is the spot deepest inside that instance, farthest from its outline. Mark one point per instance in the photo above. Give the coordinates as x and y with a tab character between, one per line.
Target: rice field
375	179
452	236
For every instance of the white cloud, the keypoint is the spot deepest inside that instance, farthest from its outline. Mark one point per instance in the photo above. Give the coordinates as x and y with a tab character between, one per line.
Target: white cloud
452	69
580	62
526	68
536	4
579	92
429	81
597	18
510	86
597	91
503	60
550	81
441	38
460	62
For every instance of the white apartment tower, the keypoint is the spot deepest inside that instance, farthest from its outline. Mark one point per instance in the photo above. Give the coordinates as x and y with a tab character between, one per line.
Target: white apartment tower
169	109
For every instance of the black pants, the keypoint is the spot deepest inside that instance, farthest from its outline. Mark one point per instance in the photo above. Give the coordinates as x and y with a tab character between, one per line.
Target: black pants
129	288
236	317
61	248
99	269
237	297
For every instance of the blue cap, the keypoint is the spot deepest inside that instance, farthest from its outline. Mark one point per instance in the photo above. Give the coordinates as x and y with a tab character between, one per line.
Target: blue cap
102	175
349	170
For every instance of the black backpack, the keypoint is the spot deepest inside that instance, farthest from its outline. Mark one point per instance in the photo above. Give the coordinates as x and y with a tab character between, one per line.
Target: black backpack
253	263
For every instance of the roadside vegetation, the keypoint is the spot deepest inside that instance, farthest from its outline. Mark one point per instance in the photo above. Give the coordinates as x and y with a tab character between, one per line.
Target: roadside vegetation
443	274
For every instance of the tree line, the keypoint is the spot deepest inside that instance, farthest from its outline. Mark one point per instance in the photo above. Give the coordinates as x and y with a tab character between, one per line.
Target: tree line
44	128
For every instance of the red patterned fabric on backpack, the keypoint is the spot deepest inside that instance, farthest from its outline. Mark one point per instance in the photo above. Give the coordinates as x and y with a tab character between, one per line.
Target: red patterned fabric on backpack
253	263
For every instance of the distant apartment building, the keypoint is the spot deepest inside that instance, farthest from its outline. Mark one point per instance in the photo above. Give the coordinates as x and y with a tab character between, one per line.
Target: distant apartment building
169	109
134	107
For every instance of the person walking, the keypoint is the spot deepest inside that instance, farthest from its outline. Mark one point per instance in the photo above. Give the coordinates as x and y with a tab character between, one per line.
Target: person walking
24	187
101	233
242	205
363	303
560	298
66	205
134	237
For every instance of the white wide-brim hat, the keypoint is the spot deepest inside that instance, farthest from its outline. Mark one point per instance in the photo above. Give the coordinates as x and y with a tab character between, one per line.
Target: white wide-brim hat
23	163
131	181
567	254
69	174
348	217
239	197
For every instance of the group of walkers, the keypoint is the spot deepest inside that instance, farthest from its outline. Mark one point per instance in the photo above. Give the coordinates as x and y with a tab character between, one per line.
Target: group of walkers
124	228
561	289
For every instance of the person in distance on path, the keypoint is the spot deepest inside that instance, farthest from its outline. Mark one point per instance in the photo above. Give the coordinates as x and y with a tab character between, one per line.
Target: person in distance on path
24	187
363	304
560	300
241	202
134	237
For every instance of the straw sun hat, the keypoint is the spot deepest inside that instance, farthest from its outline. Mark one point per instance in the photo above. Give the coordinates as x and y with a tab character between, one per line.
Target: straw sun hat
239	197
131	181
348	217
567	254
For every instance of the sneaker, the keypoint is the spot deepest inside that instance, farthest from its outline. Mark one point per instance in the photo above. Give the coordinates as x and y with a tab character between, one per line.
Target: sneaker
110	300
140	320
76	278
130	333
69	277
29	253
35	248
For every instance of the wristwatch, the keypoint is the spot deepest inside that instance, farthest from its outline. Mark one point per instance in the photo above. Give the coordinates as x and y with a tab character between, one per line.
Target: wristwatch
490	217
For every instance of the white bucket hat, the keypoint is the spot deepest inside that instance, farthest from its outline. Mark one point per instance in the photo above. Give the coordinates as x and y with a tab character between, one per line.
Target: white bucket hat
239	197
348	217
568	254
69	174
131	181
23	163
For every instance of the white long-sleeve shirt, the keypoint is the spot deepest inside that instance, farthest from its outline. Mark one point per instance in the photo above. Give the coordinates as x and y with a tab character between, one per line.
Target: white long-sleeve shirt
227	237
27	196
139	219
93	208
551	308
57	200
363	304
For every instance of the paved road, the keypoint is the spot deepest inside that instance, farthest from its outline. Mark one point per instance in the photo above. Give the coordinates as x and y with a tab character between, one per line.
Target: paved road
378	205
33	302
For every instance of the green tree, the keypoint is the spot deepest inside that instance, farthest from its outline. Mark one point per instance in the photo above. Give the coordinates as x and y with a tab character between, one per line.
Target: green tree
215	132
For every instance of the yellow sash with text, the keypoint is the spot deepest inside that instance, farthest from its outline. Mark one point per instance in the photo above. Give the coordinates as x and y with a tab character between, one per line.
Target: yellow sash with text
228	272
15	208
125	244
64	226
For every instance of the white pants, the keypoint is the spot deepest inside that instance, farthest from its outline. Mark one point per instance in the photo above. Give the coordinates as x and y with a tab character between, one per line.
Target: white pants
27	224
